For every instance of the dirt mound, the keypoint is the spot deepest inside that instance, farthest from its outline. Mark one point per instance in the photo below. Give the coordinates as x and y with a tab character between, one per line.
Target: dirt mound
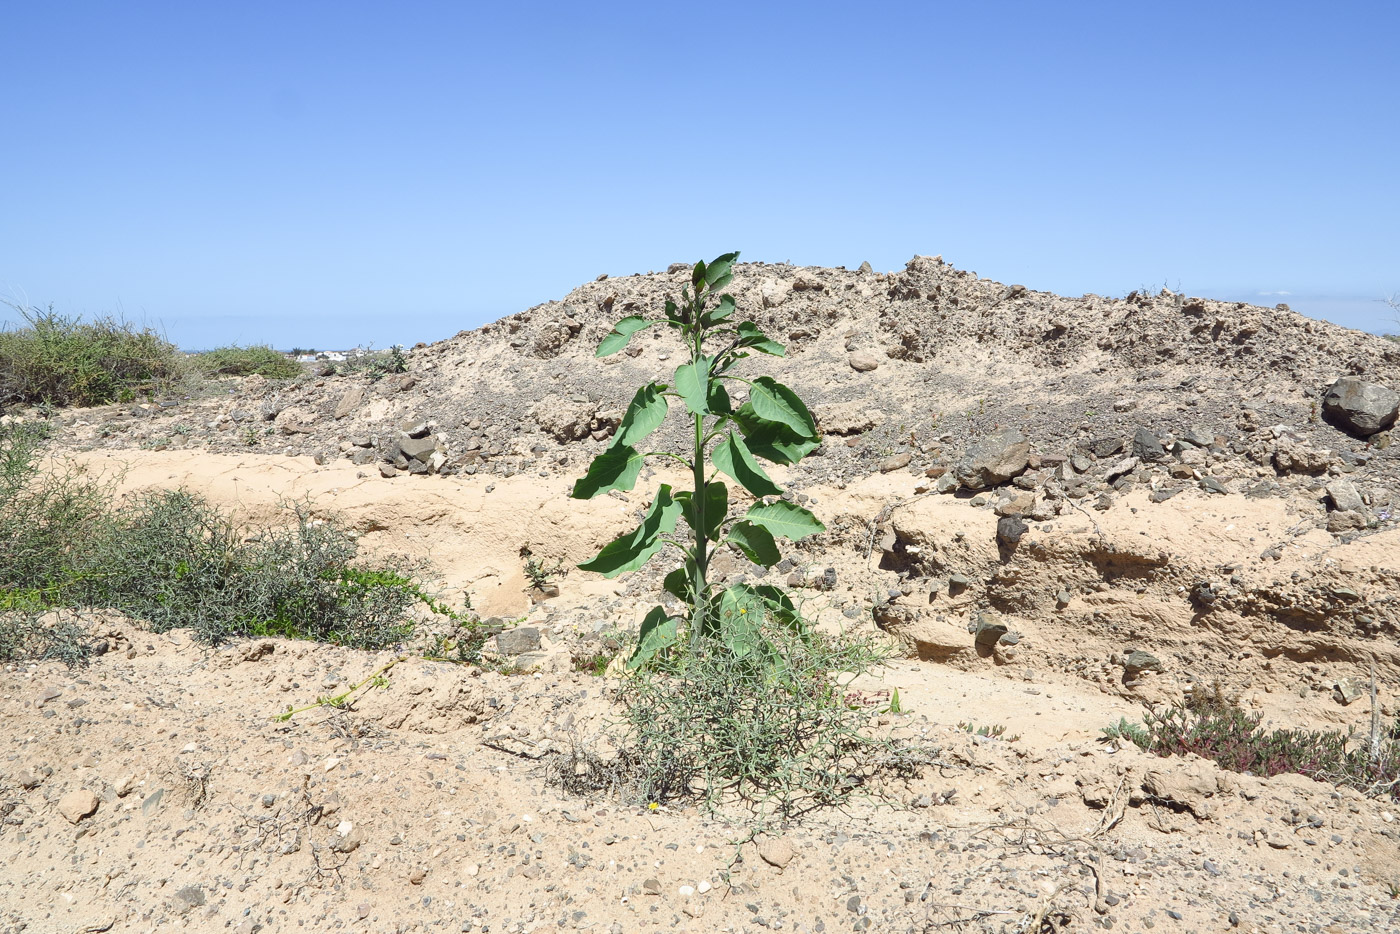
932	350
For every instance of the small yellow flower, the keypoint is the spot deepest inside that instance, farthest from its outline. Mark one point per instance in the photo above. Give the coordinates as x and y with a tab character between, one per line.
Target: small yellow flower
653	806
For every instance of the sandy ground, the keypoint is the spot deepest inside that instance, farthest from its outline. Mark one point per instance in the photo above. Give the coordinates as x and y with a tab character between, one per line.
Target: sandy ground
424	806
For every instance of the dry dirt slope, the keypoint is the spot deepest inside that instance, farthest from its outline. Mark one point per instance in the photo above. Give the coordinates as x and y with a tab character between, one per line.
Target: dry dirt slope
954	356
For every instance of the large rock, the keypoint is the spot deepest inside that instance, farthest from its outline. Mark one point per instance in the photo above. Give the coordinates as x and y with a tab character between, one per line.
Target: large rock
776	851
994	459
350	401
1292	457
78	804
419	449
1010	530
1190	784
1196	436
1147	447
1342	520
1344	496
929	636
295	421
1360	407
863	361
1138	661
518	641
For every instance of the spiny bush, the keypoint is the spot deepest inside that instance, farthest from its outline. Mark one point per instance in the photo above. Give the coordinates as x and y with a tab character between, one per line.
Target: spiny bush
62	360
29	632
44	516
1215	727
772	731
257	359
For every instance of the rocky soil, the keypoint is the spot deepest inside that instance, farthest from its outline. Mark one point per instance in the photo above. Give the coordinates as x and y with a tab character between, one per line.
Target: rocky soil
1060	511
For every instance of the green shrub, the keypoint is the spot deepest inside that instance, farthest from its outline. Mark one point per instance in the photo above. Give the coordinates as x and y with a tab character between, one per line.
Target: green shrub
257	359
1217	728
987	730
1134	733
174	561
45	517
59	360
171	559
374	364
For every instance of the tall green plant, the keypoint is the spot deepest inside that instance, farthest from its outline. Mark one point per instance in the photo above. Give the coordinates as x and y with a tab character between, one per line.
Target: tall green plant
772	425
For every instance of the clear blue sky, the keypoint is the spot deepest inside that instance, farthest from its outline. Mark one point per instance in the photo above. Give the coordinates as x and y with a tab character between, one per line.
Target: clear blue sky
326	174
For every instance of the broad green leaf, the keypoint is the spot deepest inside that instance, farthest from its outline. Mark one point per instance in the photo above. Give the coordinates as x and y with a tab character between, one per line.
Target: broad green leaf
780	606
719	399
755	542
786	519
716	507
631	551
718	273
741	614
774	402
657	634
697	276
732	457
751	337
677	583
692	382
720	312
773	441
644	415
620	334
615	469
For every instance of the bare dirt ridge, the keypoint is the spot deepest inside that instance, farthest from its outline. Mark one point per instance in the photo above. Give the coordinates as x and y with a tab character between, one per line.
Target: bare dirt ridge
1061	511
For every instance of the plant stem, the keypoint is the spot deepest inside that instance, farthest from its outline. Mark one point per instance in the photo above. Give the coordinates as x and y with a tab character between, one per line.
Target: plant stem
698	585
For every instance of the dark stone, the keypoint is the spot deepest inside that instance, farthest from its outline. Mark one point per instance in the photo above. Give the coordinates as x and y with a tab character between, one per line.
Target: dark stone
419	449
1147	447
1212	485
1010	529
1138	661
987	632
1203	594
1105	447
1197	437
1359	407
